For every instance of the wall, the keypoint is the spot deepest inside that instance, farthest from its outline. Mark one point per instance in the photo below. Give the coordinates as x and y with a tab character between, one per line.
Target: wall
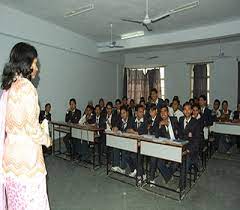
223	80
70	63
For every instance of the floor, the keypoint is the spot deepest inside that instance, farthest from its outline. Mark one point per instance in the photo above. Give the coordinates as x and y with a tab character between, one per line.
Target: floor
71	187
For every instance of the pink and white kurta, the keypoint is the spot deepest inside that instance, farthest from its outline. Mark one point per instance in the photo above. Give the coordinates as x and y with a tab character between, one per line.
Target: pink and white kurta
23	164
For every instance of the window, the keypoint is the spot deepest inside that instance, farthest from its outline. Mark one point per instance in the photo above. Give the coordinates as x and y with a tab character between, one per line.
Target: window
141	80
200	80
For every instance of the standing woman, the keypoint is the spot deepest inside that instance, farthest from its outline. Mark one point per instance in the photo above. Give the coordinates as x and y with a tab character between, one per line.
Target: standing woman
23	164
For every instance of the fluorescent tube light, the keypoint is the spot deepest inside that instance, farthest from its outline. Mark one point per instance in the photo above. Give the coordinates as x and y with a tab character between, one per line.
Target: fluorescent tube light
132	35
79	10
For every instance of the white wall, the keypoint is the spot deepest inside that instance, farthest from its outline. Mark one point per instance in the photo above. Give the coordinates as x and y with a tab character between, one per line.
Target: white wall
70	64
223	80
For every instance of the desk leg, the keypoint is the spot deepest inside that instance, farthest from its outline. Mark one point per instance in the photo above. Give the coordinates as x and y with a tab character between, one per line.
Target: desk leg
53	140
94	155
59	142
99	154
181	179
107	159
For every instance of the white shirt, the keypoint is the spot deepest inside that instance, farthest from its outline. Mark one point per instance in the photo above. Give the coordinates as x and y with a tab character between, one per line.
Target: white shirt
97	119
83	120
186	122
153	120
124	123
139	122
178	114
170	110
170	130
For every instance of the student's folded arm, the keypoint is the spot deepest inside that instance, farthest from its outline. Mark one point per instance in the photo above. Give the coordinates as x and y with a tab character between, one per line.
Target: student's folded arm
33	128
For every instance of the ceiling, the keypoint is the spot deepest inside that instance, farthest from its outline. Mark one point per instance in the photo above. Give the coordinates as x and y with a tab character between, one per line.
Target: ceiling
95	24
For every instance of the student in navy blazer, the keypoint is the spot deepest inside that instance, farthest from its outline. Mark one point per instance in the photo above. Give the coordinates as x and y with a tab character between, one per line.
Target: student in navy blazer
189	129
167	128
139	126
206	113
123	124
154	98
154	119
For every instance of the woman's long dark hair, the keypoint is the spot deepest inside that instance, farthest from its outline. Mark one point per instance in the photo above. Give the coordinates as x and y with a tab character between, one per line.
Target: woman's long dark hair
20	62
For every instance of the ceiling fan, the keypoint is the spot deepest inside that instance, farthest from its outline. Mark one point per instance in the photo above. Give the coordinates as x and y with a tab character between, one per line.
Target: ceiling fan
148	21
148	58
112	44
221	53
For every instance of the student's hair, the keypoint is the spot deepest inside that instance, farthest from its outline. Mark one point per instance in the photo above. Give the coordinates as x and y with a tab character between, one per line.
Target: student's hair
167	100
187	104
203	97
191	99
124	98
139	106
217	101
118	101
90	107
177	100
153	106
196	105
154	90
164	107
20	62
47	104
98	106
225	102
101	100
72	100
124	108
109	104
132	100
142	98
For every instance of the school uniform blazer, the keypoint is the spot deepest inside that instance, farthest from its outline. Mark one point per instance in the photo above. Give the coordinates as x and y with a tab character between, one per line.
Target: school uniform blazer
42	116
162	132
153	125
73	117
120	125
207	118
191	133
143	128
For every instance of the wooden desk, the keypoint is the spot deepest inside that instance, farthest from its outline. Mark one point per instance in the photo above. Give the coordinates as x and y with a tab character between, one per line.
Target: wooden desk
82	132
226	128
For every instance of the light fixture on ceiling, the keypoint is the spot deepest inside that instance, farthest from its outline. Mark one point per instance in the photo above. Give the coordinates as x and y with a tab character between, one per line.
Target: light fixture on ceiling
79	10
132	35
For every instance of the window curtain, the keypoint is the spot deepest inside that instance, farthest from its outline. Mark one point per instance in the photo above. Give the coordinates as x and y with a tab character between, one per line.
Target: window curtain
200	80
154	80
138	83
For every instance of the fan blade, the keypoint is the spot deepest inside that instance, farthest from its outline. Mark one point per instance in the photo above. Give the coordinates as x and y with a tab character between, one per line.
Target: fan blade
132	21
149	29
154	20
153	57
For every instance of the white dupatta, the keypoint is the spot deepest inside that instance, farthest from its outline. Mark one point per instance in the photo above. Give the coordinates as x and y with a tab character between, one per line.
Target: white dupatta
3	108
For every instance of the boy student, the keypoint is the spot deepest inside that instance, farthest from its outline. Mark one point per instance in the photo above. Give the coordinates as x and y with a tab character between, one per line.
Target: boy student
154	98
138	126
206	114
189	129
167	128
110	119
154	119
176	111
73	115
123	124
216	114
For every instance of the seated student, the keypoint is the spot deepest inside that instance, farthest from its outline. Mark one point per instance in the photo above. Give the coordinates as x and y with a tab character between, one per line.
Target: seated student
235	118
131	108
176	111
225	112
216	114
205	111
191	101
102	107
117	111
110	119
154	98
167	128
189	129
88	117
122	125
73	115
138	126
125	101
45	114
154	119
